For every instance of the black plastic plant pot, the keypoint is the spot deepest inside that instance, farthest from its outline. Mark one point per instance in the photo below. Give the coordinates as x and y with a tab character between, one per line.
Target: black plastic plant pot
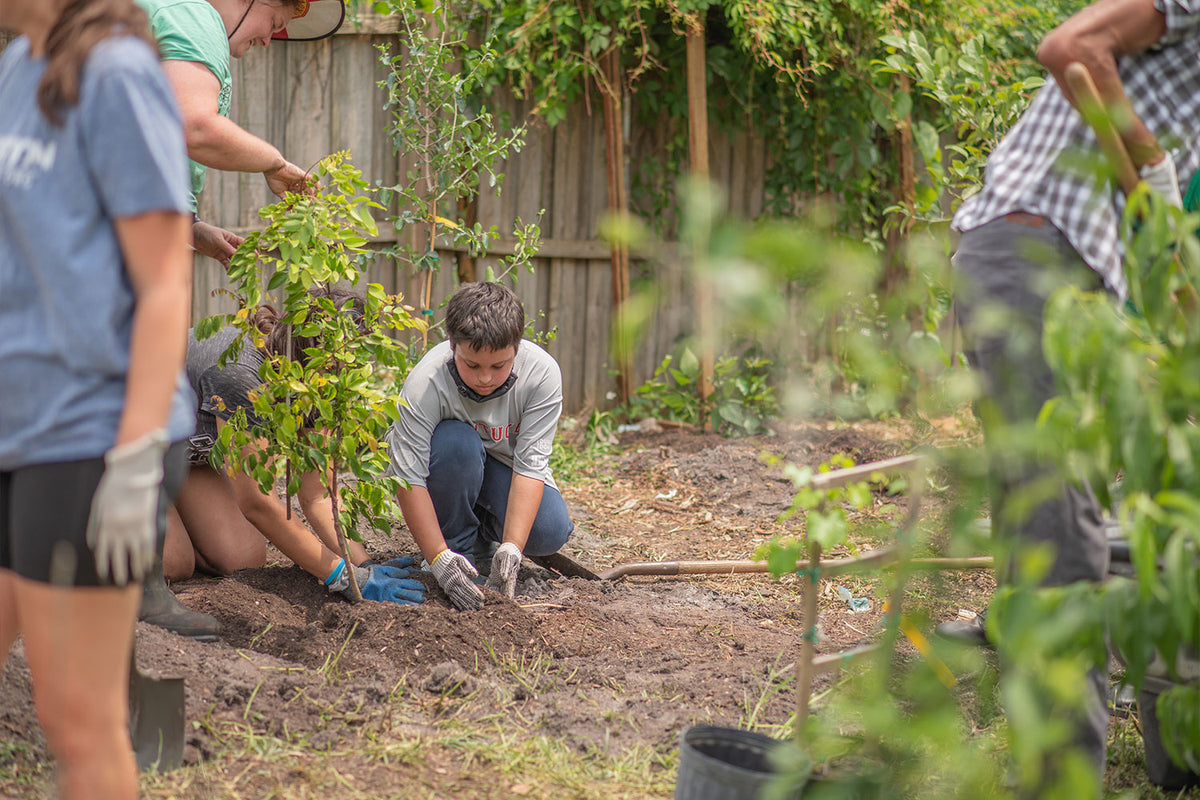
722	763
1161	770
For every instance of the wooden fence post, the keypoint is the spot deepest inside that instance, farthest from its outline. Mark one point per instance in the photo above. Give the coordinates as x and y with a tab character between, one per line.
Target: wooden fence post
698	158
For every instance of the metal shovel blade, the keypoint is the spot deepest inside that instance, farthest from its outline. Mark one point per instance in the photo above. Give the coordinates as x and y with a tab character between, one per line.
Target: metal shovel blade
156	719
564	565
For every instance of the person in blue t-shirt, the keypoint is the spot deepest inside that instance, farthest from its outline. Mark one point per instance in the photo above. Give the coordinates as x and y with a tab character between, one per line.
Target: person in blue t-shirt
94	294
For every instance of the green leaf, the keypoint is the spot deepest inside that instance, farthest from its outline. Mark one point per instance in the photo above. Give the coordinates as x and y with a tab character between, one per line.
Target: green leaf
689	365
828	528
926	138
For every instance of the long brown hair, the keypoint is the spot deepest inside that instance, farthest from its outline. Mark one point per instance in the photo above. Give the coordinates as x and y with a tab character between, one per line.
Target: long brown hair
266	319
81	26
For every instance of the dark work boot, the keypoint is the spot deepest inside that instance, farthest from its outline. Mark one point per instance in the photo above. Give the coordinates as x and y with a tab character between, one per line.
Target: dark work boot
162	609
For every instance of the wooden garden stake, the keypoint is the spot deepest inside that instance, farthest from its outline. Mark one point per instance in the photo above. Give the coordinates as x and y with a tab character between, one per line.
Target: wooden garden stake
614	140
343	542
808	641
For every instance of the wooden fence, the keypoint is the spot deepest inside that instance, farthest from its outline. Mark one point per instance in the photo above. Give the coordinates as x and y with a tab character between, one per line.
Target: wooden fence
311	99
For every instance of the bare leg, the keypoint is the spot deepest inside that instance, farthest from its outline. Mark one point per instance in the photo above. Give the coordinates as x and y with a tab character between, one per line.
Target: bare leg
179	557
77	643
8	614
224	540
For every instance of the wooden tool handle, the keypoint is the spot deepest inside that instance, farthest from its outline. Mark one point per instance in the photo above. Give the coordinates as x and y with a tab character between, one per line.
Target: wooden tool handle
1087	99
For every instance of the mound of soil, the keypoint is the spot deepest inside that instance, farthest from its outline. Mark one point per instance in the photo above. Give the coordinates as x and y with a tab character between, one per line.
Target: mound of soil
598	664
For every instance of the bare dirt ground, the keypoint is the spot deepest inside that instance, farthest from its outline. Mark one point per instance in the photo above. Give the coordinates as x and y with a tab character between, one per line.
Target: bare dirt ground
604	667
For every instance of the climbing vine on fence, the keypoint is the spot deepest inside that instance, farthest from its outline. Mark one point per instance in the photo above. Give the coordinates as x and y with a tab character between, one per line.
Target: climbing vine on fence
812	79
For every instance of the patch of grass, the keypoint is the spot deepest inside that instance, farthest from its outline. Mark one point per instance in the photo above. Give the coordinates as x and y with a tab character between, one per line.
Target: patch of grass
534	672
1126	773
582	446
500	755
779	678
331	670
20	770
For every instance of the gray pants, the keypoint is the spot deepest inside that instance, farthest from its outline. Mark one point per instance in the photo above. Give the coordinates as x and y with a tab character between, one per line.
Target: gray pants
1007	270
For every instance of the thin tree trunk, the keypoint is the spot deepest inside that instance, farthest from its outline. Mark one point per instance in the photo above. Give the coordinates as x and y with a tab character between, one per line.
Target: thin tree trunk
343	542
896	269
614	140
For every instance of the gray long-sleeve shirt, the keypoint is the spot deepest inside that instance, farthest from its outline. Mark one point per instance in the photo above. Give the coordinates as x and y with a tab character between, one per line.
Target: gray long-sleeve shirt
517	426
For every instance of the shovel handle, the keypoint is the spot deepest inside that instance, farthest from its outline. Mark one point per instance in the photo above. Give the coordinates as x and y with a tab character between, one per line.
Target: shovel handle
1092	108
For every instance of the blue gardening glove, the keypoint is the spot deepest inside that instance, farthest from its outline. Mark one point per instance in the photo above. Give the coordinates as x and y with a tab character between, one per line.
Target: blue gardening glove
401	563
382	583
390	585
454	574
505	566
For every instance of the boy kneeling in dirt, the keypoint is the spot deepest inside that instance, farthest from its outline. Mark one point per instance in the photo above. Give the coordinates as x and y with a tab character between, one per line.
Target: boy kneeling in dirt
473	442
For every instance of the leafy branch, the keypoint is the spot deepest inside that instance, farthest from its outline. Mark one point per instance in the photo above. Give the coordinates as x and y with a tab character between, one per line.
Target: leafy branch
322	405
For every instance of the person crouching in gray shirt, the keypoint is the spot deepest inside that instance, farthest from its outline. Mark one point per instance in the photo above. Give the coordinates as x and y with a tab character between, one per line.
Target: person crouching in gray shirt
473	442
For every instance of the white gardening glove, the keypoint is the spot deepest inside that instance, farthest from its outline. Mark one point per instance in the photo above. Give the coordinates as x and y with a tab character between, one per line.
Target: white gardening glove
506	563
1163	179
454	573
122	527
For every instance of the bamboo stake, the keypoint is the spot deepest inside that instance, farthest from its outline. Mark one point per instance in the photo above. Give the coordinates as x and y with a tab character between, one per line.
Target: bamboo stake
883	558
808	623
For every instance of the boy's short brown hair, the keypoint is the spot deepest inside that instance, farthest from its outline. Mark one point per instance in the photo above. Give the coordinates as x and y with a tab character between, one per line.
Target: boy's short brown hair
487	316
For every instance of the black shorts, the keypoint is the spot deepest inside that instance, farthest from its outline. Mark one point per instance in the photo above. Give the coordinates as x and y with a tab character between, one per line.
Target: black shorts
44	512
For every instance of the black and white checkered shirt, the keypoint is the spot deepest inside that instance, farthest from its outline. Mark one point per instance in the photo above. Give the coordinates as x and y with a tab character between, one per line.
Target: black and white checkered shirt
1046	164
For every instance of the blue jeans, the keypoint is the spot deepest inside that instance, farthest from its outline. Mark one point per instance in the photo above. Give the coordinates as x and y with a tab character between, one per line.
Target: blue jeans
469	490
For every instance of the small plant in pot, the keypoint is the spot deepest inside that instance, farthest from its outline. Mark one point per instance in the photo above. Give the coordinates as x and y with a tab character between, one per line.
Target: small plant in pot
893	725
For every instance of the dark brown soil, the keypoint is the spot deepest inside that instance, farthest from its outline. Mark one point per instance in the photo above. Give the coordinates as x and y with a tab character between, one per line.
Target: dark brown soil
597	664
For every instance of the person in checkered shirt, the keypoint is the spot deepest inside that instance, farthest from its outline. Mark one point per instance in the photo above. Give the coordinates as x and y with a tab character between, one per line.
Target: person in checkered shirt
1040	221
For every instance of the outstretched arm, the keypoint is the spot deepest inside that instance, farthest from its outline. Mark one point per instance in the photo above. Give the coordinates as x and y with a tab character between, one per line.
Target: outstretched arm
524	500
217	243
318	510
454	573
221	143
268	514
422	521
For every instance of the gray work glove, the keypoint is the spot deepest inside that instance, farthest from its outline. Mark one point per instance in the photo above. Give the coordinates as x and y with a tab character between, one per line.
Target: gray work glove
122	527
455	574
506	563
1163	179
